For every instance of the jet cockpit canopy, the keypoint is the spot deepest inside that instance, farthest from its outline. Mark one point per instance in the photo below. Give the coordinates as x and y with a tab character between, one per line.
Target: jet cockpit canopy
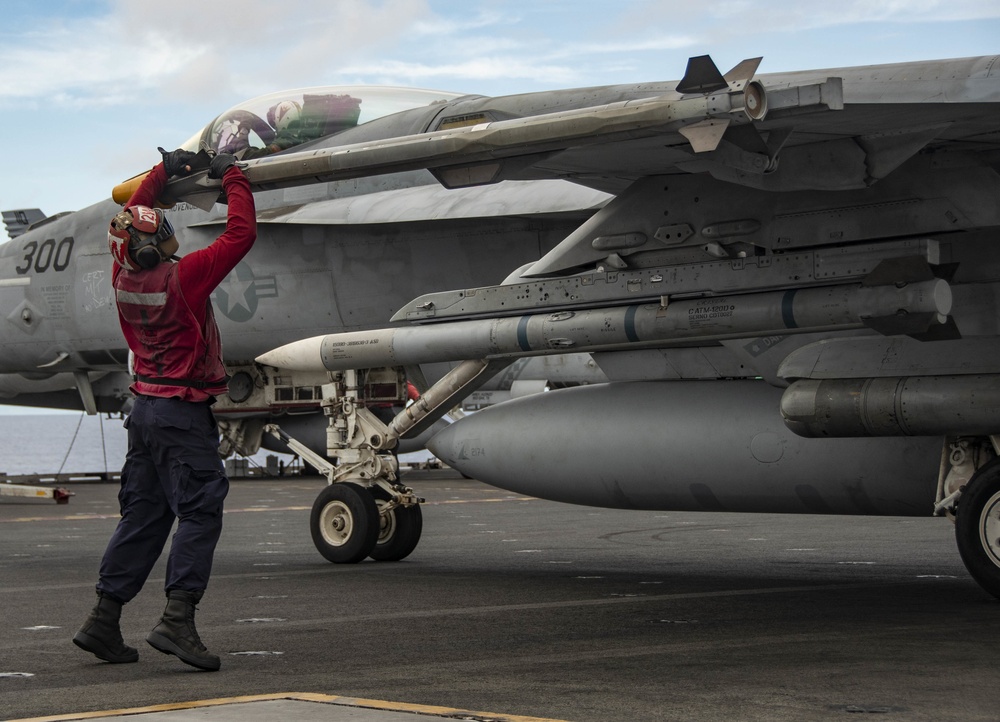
281	120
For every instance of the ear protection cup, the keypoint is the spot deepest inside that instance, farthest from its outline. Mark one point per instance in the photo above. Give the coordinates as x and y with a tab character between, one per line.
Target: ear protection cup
146	257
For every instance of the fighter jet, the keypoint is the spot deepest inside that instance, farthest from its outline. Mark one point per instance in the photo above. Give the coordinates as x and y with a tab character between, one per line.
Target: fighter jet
792	292
786	279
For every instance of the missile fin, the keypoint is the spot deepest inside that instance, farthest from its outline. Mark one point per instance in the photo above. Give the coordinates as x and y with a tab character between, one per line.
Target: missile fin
742	73
947	331
914	325
748	138
891	271
702	76
706	135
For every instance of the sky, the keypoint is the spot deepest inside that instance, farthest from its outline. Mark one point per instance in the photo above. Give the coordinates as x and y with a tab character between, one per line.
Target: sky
90	88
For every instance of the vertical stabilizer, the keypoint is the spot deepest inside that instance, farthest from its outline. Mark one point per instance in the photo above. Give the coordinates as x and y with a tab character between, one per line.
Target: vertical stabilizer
17	222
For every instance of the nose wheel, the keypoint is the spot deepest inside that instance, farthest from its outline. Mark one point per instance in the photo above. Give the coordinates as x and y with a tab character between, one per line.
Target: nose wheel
344	523
350	522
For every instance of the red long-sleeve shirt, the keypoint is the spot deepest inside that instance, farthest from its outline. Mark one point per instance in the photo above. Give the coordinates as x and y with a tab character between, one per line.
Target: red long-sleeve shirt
202	270
198	274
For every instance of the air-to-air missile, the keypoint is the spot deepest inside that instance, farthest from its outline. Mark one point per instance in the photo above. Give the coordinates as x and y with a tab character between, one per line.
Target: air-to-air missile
701	108
620	327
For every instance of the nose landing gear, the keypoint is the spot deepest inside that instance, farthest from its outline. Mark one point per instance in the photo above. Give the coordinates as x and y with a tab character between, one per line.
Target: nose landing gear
364	511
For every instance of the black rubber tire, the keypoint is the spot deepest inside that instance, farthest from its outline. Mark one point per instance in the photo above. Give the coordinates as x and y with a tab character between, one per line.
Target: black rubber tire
399	530
977	522
344	523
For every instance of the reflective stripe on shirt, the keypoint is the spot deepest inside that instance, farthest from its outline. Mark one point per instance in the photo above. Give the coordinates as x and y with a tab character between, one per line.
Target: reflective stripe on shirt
142	299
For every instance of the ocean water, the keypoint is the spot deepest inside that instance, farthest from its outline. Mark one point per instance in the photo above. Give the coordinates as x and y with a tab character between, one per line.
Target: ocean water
74	443
69	443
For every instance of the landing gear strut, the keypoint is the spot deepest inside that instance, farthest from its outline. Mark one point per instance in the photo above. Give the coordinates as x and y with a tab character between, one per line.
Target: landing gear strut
365	511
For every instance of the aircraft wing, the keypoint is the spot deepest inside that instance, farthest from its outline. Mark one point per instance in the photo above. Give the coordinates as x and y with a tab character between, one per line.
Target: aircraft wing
828	129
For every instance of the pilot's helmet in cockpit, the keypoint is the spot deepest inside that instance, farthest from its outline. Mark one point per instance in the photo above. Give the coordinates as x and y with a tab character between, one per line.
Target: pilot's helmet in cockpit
283	114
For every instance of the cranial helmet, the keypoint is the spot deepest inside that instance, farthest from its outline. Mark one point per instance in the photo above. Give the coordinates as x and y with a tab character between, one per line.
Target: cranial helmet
135	235
280	116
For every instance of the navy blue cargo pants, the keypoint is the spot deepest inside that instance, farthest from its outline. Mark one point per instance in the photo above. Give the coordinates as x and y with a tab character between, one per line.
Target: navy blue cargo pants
172	471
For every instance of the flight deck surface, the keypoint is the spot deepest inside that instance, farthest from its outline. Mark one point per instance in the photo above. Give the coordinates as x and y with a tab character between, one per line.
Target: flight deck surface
512	609
297	707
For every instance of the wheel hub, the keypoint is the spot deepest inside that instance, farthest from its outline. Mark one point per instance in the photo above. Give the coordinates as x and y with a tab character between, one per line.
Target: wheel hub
386	522
336	523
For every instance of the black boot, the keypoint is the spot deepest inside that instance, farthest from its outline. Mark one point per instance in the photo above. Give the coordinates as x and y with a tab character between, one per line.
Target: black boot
101	635
176	633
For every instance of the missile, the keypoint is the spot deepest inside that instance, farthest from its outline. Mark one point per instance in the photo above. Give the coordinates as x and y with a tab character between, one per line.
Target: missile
475	155
685	446
889	309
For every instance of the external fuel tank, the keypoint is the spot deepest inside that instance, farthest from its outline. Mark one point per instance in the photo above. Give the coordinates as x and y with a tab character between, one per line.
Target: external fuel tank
686	446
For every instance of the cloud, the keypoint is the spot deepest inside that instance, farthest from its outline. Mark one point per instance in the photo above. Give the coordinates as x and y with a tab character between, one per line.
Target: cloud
480	68
132	47
103	59
68	65
731	17
190	55
437	26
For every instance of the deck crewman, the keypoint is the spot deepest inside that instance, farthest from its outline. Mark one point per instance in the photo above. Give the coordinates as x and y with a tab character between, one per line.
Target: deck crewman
172	469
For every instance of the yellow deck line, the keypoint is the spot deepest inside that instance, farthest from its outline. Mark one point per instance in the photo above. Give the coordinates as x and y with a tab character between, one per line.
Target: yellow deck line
295	696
